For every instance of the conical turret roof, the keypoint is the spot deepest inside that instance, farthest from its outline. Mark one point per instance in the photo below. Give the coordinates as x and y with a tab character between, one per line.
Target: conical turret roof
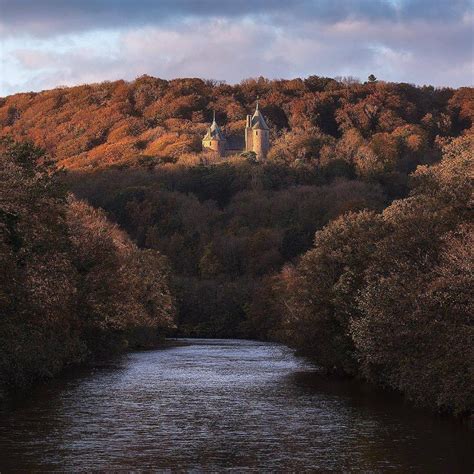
258	122
214	132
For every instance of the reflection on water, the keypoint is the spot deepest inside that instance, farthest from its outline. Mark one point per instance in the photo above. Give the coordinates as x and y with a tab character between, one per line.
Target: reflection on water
215	404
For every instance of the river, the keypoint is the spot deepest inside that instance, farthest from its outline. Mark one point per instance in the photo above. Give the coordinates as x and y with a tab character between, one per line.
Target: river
222	404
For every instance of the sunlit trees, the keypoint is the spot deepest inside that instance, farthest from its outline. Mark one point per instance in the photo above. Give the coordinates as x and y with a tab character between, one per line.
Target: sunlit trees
131	123
301	145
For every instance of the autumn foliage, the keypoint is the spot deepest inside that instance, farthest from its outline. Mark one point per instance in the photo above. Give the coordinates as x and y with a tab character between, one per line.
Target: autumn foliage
373	128
388	296
72	285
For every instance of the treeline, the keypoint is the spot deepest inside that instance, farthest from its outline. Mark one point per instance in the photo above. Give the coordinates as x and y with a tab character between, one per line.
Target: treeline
223	227
72	285
388	296
374	129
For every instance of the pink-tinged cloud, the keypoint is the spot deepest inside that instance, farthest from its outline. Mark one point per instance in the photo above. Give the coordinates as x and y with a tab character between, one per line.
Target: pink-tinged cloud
393	39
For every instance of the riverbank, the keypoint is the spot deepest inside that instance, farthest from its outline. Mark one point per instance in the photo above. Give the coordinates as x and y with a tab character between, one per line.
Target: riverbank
101	358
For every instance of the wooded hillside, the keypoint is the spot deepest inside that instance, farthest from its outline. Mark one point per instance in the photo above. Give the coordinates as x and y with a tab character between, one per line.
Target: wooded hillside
364	160
372	127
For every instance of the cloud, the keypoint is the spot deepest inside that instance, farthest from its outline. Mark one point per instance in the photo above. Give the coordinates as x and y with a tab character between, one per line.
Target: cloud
53	17
191	39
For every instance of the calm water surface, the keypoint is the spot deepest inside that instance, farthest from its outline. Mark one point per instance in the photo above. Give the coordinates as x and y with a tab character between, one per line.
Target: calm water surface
215	405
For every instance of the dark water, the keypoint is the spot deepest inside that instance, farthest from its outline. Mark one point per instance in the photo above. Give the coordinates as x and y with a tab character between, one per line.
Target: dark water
212	405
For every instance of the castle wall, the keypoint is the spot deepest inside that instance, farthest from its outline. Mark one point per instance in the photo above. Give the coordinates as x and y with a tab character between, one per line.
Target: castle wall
261	143
248	139
215	145
248	134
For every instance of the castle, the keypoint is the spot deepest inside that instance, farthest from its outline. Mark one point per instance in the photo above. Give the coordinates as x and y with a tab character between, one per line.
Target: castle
257	136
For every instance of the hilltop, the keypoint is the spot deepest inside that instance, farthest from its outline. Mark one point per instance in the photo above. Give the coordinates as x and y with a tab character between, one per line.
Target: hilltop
150	122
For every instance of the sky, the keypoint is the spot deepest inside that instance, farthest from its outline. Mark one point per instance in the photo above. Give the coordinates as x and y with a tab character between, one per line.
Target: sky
50	43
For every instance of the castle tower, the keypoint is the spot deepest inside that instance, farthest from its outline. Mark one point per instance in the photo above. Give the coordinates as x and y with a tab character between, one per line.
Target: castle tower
214	138
257	134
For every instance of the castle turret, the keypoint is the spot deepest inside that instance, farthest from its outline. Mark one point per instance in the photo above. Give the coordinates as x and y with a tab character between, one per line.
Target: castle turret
248	134
214	138
257	134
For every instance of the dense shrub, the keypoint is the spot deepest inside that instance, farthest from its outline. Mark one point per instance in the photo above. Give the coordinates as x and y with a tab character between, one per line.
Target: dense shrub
71	284
388	296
